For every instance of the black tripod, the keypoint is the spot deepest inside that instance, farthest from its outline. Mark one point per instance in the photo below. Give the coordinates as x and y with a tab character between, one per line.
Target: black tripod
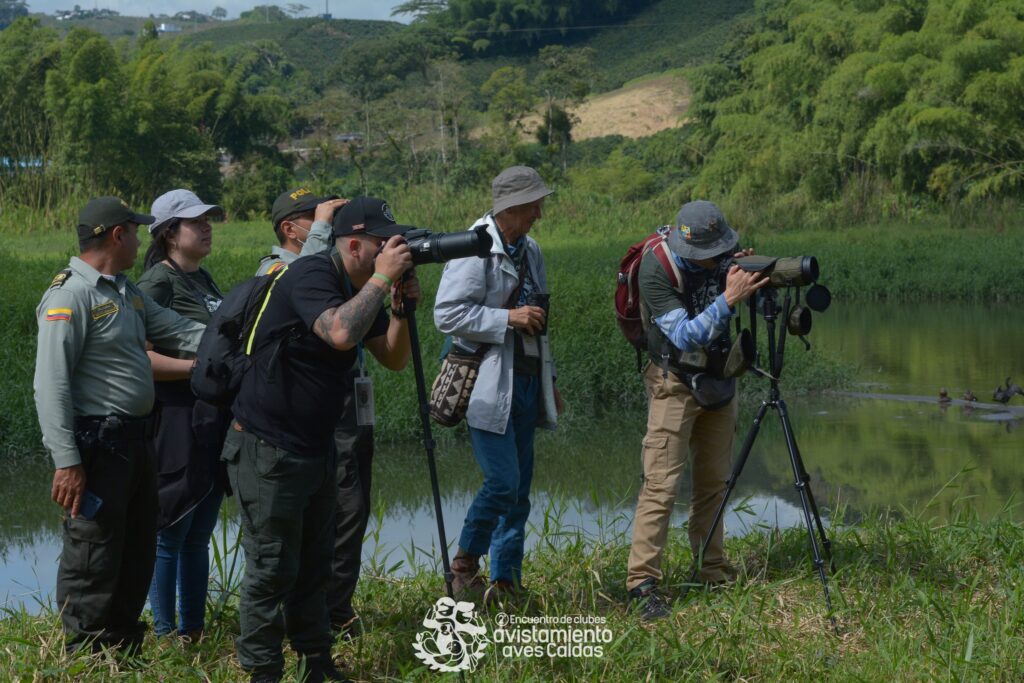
812	519
409	309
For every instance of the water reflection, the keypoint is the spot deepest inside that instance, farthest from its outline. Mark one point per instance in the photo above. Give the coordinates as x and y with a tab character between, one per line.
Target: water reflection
865	453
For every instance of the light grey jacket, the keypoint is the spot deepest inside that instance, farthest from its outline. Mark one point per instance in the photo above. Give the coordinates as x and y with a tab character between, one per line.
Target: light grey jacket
469	306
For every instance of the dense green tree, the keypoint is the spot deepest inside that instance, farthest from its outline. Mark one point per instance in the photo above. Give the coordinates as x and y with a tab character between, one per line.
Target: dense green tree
922	93
265	13
508	26
82	113
565	80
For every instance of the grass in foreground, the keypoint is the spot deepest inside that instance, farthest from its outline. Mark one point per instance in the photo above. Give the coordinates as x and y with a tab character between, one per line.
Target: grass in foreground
915	600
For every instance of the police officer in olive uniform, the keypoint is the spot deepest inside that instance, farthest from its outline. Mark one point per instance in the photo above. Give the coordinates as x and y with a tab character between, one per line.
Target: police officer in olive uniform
302	224
94	393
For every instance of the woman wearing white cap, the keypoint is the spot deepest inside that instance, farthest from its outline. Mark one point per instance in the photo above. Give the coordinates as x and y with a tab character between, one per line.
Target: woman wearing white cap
190	432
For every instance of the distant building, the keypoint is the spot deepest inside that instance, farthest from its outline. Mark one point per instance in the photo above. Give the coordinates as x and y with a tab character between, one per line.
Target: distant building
349	137
168	28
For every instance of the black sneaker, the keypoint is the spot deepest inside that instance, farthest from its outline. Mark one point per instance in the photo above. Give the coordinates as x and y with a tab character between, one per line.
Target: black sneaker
648	602
320	668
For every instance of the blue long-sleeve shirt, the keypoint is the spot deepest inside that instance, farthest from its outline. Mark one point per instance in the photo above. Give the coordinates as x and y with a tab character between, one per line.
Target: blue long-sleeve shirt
688	334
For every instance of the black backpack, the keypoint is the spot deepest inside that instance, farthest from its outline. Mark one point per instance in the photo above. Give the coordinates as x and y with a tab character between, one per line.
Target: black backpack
225	352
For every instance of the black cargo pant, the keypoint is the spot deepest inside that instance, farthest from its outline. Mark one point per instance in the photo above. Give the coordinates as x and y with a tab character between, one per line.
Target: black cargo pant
287	516
355	460
107	562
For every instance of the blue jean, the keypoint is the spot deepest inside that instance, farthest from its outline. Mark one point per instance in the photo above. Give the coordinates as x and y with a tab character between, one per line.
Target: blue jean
183	561
496	520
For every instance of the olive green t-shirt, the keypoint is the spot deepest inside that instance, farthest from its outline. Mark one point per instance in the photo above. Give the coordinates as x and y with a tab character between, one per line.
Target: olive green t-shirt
191	295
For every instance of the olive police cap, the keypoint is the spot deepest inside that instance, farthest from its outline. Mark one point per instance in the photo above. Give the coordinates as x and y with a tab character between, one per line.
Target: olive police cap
102	213
294	202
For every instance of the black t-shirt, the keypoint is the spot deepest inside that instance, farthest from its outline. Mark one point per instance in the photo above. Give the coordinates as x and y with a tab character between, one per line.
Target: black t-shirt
296	404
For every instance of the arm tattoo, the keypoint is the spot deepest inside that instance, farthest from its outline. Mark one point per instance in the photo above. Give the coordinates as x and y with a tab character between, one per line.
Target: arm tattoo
353	318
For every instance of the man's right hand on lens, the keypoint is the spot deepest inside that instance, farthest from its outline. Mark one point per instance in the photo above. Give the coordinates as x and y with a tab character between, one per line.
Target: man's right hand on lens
394	258
530	319
740	284
69	487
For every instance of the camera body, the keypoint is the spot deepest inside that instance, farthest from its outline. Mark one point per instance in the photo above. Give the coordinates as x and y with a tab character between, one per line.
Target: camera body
541	300
441	247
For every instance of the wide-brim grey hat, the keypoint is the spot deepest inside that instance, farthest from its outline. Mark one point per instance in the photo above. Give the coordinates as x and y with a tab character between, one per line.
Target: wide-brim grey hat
517	185
180	204
701	232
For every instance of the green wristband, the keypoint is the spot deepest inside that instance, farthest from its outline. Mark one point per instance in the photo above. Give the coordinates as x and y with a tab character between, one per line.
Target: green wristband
381	276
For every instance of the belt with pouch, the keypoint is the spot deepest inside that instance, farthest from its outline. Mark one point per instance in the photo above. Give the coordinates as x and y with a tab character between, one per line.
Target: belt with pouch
115	427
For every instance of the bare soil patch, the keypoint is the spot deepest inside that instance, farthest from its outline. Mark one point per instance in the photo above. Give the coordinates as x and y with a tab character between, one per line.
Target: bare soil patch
635	111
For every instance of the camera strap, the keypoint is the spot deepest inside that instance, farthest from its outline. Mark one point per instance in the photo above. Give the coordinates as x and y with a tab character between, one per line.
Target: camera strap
201	298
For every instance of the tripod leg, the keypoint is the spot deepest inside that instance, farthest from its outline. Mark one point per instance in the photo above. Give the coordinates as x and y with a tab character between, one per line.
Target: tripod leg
811	516
737	469
801	473
428	443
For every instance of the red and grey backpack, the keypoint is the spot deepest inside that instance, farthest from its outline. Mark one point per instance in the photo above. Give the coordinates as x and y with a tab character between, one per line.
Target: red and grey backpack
629	309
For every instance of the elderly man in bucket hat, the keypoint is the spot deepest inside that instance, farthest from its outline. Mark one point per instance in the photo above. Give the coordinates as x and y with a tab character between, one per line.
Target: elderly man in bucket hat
692	403
497	307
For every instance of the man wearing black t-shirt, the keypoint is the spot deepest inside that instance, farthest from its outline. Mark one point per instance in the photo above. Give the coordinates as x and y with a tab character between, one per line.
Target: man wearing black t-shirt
280	451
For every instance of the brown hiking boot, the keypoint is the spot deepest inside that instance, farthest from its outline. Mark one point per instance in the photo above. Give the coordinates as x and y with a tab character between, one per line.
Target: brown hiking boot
467	583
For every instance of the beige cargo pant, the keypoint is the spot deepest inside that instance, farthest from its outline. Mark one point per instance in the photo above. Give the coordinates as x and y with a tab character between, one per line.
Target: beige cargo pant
676	425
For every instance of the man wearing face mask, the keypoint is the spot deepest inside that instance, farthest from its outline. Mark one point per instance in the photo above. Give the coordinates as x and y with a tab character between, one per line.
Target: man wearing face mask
302	223
280	450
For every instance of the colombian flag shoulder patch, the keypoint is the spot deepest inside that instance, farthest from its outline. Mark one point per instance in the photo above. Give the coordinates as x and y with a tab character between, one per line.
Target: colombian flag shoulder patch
55	314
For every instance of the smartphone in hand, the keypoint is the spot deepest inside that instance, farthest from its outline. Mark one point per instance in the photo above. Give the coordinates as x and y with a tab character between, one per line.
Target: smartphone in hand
90	505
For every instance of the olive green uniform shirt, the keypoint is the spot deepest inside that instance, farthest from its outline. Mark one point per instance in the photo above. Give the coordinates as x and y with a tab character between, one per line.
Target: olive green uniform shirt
90	354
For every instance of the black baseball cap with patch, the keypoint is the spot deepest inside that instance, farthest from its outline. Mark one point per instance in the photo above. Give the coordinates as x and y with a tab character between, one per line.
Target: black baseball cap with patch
367	216
102	213
294	202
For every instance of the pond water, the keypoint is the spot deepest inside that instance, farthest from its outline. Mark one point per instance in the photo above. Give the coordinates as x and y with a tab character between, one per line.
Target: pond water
886	444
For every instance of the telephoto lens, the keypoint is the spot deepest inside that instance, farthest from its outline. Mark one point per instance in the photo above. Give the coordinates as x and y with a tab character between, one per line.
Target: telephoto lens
440	247
793	271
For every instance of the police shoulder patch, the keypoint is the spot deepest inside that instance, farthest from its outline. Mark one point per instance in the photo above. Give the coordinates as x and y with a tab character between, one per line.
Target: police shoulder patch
60	278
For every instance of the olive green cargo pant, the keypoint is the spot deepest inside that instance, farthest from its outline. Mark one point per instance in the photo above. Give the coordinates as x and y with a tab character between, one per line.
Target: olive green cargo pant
287	514
676	425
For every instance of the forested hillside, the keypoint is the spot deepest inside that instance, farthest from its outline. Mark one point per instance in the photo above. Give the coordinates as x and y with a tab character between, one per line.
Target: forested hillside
815	99
801	109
